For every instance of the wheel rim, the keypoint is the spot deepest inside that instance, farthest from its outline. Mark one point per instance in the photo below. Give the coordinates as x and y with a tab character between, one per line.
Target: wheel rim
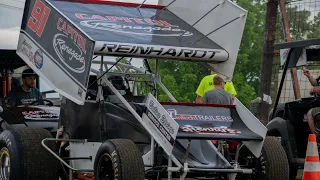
4	163
105	168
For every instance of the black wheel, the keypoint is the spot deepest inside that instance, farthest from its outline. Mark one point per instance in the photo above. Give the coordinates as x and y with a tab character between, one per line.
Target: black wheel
22	157
118	159
293	170
271	165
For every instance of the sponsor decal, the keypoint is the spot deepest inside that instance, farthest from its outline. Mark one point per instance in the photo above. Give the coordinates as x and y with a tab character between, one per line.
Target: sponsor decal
39	17
114	159
69	45
222	130
35	57
160	117
160	127
38	59
28	101
173	113
40	114
26	49
131	25
147	50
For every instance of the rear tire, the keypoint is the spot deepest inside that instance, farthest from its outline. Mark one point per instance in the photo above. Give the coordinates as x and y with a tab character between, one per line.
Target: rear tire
275	160
119	159
28	159
271	165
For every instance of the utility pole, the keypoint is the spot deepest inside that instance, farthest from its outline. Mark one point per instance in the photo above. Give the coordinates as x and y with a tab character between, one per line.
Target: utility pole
267	59
286	32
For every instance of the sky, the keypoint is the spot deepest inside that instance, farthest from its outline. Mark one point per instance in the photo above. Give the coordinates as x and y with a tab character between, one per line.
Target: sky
9	28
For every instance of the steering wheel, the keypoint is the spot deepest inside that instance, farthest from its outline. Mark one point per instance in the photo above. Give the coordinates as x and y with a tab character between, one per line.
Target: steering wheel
91	94
50	103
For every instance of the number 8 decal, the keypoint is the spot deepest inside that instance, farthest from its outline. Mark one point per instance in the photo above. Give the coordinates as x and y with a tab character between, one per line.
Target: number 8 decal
39	17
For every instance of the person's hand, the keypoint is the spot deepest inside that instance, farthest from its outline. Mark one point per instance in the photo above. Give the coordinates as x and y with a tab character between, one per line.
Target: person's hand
306	72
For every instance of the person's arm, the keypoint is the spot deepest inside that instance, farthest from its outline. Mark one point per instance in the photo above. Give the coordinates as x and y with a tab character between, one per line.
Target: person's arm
199	99
204	100
312	80
232	98
200	92
315	90
231	89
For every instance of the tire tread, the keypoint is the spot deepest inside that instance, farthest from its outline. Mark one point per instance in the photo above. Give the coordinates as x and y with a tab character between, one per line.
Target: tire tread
275	158
130	158
37	162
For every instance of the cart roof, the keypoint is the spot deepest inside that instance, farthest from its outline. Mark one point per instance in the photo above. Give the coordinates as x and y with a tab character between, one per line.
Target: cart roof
59	38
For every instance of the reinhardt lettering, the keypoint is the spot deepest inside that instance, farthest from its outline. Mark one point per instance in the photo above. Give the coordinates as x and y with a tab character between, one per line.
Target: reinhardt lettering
163	119
160	51
213	130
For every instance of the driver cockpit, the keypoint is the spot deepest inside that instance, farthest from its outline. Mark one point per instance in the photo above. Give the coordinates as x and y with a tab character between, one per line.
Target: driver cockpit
118	83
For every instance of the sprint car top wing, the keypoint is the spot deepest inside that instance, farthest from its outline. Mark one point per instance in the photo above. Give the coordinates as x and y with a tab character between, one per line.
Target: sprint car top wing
145	32
58	38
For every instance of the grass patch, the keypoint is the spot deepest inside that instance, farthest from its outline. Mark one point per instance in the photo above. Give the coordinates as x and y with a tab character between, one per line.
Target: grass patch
299	174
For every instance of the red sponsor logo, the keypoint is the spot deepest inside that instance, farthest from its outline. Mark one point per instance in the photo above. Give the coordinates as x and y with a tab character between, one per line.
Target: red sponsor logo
39	16
35	112
124	19
209	130
64	27
131	25
173	113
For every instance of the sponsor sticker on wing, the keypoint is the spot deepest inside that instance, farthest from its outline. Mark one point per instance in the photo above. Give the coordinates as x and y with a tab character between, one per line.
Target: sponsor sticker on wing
131	25
40	115
163	128
222	130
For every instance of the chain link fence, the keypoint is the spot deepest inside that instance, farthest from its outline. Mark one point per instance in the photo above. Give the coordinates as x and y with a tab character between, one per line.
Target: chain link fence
304	23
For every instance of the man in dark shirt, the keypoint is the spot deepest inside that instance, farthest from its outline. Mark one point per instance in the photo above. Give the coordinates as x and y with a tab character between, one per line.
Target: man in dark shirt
27	93
217	95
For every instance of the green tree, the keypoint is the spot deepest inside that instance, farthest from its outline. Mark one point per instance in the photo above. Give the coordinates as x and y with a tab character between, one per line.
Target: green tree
247	70
180	78
299	23
315	31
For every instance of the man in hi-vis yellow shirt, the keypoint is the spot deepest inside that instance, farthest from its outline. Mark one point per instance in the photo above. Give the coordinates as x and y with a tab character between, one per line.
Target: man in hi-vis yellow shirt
206	84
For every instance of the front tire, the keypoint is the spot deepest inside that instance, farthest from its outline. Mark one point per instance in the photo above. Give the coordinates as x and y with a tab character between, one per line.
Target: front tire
118	159
23	157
